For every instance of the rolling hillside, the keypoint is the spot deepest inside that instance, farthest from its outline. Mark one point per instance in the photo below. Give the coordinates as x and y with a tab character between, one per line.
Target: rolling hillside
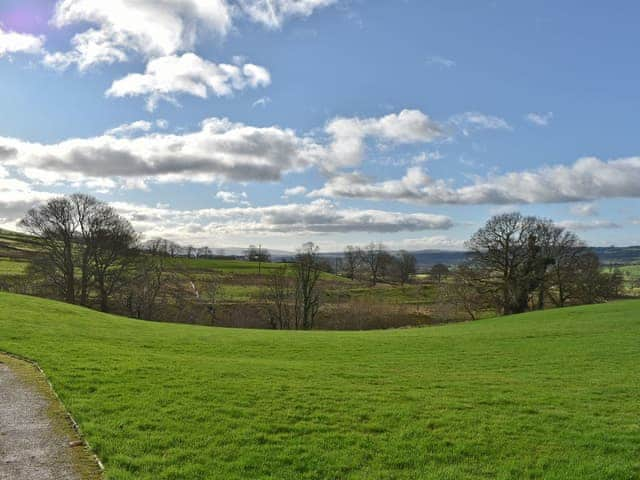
551	395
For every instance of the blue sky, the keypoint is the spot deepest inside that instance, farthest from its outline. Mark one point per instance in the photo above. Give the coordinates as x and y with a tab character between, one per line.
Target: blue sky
406	122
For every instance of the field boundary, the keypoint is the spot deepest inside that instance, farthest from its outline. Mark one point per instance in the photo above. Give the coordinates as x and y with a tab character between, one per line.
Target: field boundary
69	418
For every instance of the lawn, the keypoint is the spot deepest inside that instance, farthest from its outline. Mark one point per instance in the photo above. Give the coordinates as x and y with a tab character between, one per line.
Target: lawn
552	395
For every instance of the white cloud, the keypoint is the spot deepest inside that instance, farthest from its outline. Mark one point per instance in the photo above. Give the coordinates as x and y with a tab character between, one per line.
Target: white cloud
147	27
442	62
113	30
166	77
349	134
14	42
219	150
585	226
295	191
273	13
584	210
232	197
539	119
317	217
436	242
587	179
469	122
130	128
16	198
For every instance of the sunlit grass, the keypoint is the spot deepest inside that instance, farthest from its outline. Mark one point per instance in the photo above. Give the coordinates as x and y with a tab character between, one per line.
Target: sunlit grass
553	395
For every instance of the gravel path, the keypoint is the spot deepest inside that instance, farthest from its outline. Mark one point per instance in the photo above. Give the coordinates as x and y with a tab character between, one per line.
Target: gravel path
31	447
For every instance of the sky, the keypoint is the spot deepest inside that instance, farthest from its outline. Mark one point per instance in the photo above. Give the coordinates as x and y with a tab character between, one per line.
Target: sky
276	122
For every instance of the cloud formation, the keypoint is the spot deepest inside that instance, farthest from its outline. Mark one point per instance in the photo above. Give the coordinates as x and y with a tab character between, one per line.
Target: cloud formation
219	150
166	77
349	134
14	42
587	179
578	226
114	30
273	13
317	217
150	28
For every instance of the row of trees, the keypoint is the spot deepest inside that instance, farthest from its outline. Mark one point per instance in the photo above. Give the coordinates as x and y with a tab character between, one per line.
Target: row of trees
519	263
374	262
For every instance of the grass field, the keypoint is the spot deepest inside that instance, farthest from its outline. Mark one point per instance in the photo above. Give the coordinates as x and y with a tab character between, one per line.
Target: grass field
552	395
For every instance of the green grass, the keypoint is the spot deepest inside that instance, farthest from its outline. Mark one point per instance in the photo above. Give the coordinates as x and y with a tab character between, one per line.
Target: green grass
225	266
9	266
553	395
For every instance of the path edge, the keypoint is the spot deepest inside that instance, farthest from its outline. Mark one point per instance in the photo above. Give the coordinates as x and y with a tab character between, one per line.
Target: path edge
72	421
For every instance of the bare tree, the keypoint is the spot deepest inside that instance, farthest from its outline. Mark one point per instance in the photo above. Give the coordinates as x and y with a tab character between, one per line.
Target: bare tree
280	296
438	272
351	261
376	258
214	292
504	247
406	264
307	298
463	295
113	242
55	224
147	281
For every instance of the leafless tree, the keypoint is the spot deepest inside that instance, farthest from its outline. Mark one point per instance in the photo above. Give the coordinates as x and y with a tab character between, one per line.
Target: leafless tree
56	225
213	292
351	261
279	296
505	248
406	265
114	253
376	258
146	282
438	272
307	298
463	294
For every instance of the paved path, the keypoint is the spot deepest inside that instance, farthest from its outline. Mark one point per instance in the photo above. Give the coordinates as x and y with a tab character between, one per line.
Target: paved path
30	447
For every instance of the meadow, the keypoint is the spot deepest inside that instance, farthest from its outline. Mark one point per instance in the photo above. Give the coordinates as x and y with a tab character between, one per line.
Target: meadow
553	395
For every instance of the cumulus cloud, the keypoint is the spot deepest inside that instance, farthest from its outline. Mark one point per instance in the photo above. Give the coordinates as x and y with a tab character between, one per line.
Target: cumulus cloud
14	42
219	150
166	77
539	119
114	30
273	13
349	134
147	27
587	179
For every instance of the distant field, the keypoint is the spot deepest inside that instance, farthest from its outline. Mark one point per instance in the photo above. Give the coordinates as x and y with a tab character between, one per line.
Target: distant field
547	395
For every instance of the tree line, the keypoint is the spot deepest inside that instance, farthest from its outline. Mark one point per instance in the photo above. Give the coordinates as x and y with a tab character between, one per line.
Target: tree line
92	256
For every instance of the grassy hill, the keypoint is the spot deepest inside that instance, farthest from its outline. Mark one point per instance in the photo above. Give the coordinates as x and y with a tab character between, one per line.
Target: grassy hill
553	395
